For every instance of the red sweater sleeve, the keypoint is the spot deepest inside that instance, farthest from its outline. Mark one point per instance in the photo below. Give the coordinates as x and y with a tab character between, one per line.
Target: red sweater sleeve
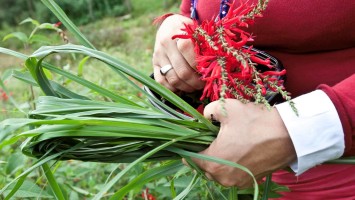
343	98
185	8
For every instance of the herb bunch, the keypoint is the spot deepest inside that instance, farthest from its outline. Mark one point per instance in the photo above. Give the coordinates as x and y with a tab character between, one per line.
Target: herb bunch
229	67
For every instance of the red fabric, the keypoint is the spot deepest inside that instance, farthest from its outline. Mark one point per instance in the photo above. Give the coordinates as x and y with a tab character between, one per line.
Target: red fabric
315	40
324	182
338	93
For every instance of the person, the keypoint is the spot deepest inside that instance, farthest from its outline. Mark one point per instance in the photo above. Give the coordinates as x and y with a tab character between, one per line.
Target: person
315	41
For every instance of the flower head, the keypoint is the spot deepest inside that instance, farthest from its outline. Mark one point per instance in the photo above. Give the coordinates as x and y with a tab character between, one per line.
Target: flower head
229	67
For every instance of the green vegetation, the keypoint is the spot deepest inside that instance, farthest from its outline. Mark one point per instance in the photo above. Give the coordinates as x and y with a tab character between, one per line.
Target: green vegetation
82	11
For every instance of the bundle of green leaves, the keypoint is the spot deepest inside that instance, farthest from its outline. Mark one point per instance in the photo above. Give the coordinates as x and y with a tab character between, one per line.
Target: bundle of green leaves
66	125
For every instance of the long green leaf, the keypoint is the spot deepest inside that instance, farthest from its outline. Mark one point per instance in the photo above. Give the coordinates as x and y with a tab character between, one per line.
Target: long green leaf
70	76
220	161
346	160
19	35
37	73
17	186
59	13
131	165
117	64
188	188
82	39
53	183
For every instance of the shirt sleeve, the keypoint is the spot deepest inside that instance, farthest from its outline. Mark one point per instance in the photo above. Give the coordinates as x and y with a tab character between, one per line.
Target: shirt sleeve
316	133
185	8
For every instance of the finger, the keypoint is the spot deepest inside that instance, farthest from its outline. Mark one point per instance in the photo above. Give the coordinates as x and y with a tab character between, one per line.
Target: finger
182	67
171	80
202	164
186	48
175	81
160	57
162	80
209	176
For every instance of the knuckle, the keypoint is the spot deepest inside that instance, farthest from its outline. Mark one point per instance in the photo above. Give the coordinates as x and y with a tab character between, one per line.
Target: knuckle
244	182
184	74
227	182
174	81
158	51
183	45
160	81
188	89
214	168
155	58
200	85
164	42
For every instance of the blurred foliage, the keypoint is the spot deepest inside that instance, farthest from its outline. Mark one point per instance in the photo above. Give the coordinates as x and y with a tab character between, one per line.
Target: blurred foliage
81	11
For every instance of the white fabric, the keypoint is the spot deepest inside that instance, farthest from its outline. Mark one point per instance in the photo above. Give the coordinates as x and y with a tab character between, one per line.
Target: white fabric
317	133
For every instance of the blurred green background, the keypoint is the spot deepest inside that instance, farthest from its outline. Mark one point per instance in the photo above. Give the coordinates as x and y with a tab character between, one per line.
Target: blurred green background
82	11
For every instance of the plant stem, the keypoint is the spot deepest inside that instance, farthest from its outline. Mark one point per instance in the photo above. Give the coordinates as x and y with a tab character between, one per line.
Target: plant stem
52	182
267	187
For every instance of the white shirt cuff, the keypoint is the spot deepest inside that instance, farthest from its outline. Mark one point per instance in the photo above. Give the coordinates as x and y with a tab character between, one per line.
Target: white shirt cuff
317	133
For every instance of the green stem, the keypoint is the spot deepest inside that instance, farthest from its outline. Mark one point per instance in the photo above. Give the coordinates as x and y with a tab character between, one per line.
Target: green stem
52	182
59	13
233	193
267	187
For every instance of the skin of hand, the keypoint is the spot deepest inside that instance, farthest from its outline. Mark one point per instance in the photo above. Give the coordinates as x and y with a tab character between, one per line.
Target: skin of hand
179	53
250	135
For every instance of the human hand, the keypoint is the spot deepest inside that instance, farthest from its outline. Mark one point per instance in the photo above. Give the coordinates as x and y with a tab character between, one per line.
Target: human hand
177	53
250	135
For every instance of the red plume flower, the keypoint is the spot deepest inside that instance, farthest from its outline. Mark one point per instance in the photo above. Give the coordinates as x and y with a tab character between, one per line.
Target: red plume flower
226	64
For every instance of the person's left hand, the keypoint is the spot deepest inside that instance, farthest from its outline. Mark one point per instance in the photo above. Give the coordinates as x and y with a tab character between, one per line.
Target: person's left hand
178	54
250	135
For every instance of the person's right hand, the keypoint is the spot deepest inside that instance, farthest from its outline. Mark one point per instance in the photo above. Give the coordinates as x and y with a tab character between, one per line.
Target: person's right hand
250	135
178	53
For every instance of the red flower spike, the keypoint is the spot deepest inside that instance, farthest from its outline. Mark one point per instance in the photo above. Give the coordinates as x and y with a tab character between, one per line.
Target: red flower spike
227	67
274	73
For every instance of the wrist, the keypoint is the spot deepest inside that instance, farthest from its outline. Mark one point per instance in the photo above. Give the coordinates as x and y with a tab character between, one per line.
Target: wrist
284	139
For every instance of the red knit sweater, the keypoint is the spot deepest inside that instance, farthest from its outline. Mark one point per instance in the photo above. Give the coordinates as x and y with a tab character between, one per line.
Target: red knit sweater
315	41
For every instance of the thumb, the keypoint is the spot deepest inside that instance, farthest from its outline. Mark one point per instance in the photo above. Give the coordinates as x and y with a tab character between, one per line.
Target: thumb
215	111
